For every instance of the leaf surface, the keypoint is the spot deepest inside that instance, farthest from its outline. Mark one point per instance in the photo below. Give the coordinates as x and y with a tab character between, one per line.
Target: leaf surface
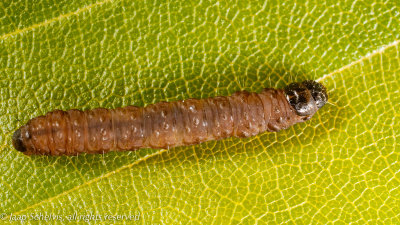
340	167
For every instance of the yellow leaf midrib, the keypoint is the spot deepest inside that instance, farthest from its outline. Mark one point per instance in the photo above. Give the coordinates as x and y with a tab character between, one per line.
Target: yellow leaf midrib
367	56
89	182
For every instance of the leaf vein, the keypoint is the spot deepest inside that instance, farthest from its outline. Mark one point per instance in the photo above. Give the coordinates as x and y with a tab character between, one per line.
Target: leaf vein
89	182
367	56
49	21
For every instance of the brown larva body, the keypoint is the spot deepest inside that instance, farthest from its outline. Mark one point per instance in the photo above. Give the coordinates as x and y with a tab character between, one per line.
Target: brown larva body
168	124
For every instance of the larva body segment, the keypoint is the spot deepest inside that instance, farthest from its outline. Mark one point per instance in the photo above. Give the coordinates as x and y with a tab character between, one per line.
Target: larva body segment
169	124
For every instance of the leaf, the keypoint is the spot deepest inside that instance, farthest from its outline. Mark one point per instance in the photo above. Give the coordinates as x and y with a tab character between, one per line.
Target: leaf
340	167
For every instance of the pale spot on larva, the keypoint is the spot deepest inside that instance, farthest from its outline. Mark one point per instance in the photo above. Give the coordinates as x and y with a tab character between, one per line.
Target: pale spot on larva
192	108
196	121
163	114
246	116
246	134
76	123
165	126
27	134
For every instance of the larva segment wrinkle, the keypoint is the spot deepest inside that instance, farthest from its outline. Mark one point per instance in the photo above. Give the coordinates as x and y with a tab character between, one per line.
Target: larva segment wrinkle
169	124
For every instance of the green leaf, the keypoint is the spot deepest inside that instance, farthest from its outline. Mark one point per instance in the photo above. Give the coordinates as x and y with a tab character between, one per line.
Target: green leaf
340	167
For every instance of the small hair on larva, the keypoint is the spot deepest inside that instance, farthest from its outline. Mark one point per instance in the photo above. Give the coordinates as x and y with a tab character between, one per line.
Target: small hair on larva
170	124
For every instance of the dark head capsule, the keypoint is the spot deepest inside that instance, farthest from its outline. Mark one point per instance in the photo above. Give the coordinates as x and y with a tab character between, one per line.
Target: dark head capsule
306	97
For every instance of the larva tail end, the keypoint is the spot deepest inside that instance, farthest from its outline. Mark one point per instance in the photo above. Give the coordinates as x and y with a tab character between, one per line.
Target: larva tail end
17	141
318	92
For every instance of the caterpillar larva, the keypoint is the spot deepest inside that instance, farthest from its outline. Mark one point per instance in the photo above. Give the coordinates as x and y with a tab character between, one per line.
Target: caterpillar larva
169	124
